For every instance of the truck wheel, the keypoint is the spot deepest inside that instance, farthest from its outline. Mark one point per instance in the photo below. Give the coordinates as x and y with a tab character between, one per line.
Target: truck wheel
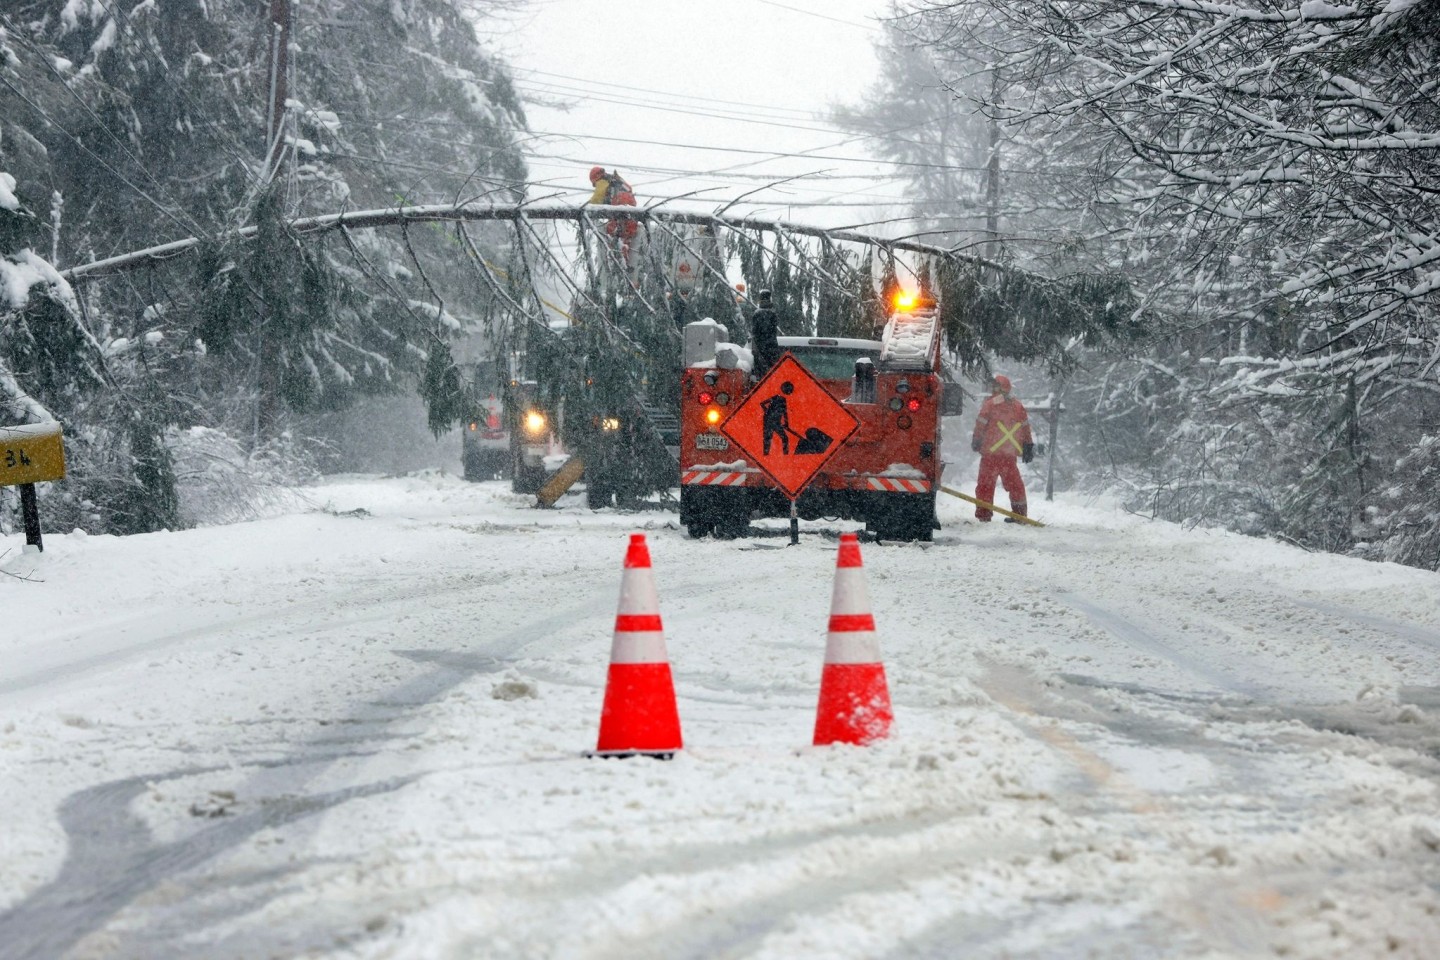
732	529
730	511
693	515
484	464
904	517
527	480
494	464
597	495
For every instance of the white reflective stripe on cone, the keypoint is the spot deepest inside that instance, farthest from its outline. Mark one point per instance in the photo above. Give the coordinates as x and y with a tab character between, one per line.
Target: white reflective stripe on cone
850	594
638	593
860	646
640	646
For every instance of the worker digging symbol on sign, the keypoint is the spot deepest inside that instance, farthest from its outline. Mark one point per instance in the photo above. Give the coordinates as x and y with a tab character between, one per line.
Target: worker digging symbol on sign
1002	432
776	419
776	423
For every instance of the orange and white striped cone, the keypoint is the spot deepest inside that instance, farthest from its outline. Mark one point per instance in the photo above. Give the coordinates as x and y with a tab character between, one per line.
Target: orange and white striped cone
854	698
639	715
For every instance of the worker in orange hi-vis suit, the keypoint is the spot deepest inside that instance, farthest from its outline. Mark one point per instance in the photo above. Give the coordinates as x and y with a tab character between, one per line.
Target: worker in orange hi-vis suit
611	189
1002	432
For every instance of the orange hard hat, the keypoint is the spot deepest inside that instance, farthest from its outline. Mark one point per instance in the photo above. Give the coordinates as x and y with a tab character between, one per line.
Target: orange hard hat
1002	381
596	173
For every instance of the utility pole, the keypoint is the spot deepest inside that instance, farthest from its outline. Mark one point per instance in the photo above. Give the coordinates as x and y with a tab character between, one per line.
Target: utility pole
992	170
279	86
992	194
267	345
992	173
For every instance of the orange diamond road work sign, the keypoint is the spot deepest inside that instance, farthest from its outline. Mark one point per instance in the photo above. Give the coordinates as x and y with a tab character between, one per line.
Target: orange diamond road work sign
790	426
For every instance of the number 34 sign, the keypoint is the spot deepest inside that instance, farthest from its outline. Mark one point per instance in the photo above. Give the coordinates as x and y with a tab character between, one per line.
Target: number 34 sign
31	453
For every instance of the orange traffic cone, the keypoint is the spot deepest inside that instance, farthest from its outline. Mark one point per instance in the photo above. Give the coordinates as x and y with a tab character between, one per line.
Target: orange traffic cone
854	699
639	715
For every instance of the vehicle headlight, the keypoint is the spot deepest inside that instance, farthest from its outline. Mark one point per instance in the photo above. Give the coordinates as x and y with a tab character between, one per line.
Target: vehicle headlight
535	421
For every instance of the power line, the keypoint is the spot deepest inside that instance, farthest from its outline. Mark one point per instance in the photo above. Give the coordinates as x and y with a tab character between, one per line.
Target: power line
782	154
880	200
818	16
806	182
225	133
79	143
669	93
822	125
879	137
729	115
162	189
703	113
553	89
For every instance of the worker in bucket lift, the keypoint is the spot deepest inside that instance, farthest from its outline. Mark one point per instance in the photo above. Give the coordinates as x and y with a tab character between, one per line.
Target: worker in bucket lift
1002	432
611	189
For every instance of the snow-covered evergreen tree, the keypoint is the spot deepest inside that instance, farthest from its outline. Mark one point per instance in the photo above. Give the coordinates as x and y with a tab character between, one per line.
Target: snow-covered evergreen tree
147	123
1262	177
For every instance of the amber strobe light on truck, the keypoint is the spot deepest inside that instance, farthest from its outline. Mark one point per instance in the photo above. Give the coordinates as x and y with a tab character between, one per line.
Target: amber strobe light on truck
907	302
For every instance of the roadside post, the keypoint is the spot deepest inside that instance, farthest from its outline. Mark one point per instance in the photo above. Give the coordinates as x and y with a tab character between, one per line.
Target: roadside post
30	454
791	427
1051	409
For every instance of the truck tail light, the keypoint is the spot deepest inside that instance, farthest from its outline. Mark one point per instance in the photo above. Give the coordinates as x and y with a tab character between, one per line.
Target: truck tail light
912	404
705	398
712	416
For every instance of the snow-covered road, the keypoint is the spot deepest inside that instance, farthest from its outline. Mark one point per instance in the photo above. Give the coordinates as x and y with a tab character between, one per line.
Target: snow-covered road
356	731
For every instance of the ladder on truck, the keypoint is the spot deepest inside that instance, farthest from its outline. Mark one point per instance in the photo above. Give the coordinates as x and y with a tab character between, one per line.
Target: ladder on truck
665	424
911	340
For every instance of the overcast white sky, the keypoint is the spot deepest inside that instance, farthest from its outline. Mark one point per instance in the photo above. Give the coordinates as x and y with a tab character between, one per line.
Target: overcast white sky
681	87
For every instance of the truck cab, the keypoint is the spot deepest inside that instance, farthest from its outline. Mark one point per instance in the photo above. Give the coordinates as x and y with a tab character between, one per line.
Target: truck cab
532	436
886	474
485	443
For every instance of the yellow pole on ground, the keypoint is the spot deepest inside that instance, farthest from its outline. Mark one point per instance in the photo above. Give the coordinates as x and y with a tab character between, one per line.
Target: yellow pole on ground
990	506
562	480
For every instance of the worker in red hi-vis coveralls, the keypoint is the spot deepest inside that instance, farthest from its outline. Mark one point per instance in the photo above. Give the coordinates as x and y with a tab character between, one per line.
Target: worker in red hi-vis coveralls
1002	432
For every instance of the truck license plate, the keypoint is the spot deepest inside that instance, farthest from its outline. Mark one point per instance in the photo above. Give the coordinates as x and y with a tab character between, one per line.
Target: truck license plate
711	441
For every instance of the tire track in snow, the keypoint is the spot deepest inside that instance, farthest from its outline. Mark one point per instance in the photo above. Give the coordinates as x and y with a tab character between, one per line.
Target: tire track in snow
741	927
1282	788
111	859
1425	638
1138	813
1134	635
1342	716
821	865
319	606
